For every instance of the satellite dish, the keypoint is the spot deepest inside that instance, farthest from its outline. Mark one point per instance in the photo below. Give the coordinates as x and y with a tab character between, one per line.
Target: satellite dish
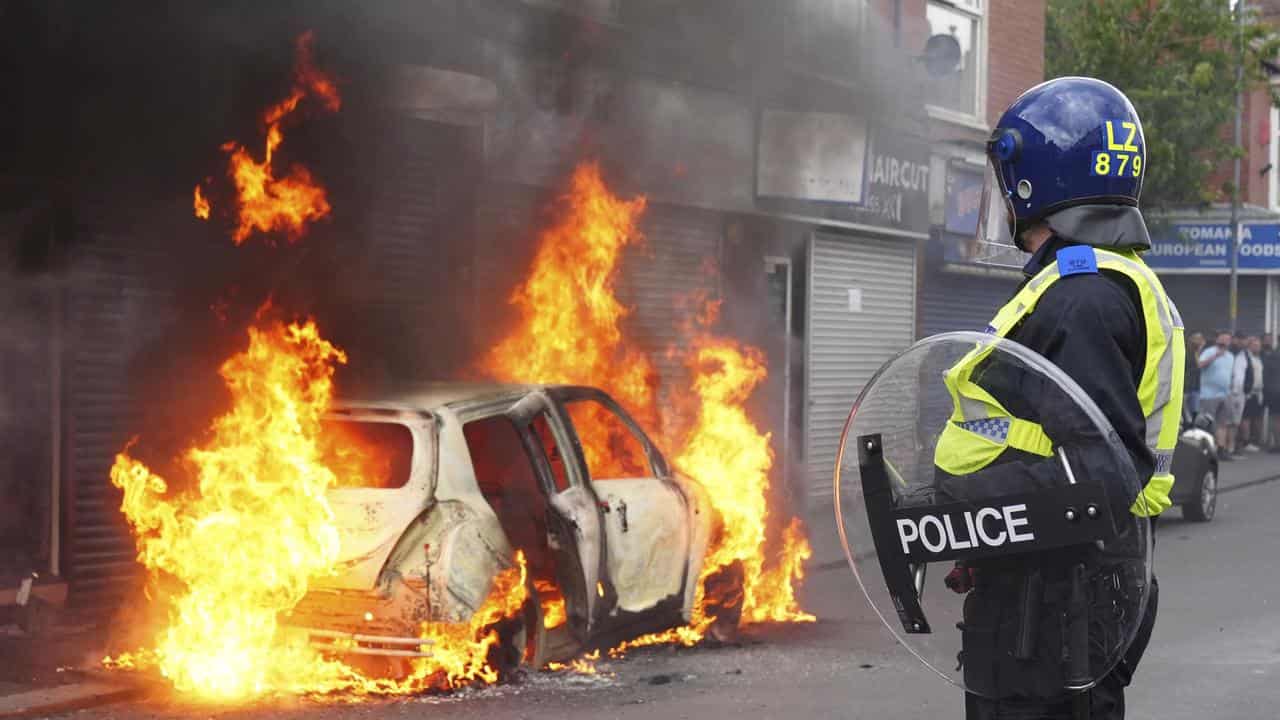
942	55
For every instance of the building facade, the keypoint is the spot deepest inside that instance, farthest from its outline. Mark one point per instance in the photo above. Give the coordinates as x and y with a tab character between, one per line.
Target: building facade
1193	245
1003	45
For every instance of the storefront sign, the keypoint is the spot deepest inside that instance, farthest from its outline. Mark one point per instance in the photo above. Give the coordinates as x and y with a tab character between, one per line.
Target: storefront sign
814	156
890	171
1206	247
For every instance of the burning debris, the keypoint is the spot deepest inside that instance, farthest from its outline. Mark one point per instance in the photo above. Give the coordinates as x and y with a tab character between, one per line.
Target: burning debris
266	203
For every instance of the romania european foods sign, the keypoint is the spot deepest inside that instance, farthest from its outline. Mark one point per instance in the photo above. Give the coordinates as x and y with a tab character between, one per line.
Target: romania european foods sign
1206	247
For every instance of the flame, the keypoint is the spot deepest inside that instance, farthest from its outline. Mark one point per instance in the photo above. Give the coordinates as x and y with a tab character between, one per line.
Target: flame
571	330
729	456
460	652
286	204
243	544
585	665
552	602
201	204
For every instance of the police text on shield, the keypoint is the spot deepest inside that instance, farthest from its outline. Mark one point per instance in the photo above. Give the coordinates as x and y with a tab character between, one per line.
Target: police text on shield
939	532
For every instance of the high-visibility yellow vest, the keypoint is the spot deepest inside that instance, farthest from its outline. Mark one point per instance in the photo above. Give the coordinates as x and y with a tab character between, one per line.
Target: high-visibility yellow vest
980	428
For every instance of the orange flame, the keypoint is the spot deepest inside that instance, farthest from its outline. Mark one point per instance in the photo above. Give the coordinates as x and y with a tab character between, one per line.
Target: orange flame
267	203
244	543
552	602
585	665
571	331
201	204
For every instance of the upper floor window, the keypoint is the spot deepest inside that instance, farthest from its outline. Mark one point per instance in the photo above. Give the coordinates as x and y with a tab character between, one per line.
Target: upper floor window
959	90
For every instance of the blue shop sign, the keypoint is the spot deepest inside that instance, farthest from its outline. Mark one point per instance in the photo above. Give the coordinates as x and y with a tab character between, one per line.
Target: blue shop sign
1206	247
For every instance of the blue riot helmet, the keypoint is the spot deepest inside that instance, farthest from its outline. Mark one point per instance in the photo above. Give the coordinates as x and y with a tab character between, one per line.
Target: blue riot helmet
1069	152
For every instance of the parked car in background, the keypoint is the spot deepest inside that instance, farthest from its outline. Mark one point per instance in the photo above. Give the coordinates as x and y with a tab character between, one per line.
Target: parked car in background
610	533
1195	470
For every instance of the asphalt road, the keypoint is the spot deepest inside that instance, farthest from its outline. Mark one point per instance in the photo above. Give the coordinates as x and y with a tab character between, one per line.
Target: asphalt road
1215	653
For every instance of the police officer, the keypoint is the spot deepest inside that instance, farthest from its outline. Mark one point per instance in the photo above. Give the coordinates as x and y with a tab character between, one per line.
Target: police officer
1066	163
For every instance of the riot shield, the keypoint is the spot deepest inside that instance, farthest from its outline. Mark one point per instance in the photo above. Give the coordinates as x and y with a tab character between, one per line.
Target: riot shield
987	509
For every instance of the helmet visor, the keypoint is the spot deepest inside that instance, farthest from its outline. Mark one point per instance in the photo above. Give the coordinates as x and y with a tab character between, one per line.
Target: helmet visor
993	240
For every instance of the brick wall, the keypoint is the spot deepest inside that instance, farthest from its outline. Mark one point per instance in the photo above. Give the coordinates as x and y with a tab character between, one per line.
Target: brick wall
1015	51
1256	134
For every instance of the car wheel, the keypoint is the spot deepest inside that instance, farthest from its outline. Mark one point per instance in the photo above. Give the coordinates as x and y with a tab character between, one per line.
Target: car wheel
1205	503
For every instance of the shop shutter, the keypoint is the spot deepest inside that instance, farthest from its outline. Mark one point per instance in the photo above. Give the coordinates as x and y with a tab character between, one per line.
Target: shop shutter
660	280
861	311
951	301
1202	301
414	261
112	312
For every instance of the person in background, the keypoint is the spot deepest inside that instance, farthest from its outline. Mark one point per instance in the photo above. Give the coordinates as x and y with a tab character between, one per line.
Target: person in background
1235	395
1191	393
1251	419
1271	389
1216	363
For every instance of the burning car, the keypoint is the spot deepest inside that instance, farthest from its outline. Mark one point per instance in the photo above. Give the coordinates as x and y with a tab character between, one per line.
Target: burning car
613	540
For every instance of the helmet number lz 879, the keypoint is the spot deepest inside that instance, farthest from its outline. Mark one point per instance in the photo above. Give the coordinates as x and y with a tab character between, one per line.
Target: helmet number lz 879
1120	159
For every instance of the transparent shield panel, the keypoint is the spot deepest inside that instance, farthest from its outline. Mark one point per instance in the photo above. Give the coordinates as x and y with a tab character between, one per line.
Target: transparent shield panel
993	241
985	507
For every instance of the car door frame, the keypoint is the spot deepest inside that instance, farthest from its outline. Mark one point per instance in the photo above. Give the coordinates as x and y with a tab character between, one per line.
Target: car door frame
657	464
571	393
575	514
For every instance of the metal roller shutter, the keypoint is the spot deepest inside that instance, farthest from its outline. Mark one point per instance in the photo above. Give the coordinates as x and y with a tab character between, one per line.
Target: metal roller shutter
416	256
1202	301
951	301
849	338
658	281
112	312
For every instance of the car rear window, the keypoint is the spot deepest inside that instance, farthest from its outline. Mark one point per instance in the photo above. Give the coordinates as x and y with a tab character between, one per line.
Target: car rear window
368	454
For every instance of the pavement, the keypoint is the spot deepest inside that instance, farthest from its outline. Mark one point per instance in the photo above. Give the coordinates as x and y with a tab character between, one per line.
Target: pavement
1215	653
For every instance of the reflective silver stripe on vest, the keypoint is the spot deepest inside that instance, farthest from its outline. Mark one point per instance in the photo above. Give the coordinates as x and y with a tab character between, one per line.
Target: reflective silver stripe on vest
1164	461
1164	369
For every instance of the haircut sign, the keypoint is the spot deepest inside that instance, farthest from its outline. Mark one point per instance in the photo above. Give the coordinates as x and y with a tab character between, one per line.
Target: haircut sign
1207	247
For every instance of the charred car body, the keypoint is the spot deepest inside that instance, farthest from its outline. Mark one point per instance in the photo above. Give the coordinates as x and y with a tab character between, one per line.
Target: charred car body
610	533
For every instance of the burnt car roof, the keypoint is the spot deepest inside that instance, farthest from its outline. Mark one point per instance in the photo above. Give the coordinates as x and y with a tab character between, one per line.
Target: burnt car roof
428	396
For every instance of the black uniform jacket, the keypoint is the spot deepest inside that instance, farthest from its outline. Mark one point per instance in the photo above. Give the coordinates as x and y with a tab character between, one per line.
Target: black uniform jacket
1091	326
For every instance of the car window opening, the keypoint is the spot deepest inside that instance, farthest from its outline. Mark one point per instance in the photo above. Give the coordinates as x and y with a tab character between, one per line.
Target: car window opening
508	480
367	454
612	450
